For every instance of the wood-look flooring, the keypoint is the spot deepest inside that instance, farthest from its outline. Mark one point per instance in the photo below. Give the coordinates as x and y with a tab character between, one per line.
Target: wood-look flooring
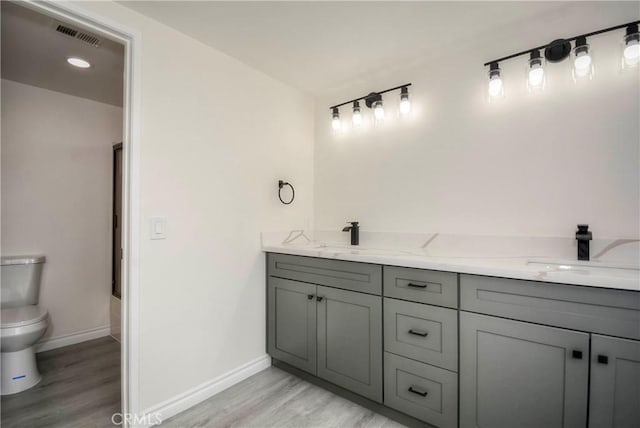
80	387
275	398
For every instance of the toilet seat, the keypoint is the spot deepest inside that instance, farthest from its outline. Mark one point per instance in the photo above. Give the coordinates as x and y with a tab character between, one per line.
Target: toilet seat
22	316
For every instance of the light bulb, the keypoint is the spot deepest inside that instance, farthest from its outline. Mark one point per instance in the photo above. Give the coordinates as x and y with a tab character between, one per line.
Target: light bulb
536	76
335	119
632	54
582	64
378	111
405	104
631	51
496	88
357	116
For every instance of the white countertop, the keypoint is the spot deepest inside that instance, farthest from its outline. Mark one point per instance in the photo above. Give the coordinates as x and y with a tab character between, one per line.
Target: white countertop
614	263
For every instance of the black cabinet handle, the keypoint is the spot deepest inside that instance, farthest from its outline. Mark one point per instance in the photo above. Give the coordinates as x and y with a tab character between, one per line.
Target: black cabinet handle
309	296
603	359
577	354
411	284
319	298
418	333
417	391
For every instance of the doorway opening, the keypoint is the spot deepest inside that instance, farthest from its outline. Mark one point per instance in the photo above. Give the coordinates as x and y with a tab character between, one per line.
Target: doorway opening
61	124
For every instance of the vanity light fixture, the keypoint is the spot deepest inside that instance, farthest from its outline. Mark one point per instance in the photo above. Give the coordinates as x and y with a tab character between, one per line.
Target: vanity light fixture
373	100
335	119
78	62
558	50
631	47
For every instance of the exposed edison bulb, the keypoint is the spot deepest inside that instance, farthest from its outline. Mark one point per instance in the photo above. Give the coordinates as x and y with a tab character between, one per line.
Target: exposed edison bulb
495	86
582	61
357	115
631	47
378	111
335	119
405	104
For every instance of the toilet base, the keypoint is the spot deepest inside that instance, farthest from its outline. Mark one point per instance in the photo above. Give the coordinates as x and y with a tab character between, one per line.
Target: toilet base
19	371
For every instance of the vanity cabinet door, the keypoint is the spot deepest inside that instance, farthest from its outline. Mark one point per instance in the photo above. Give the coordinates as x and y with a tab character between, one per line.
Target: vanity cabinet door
291	322
615	383
350	340
516	374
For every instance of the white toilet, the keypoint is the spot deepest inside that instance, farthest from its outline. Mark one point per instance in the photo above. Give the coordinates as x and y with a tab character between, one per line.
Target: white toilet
23	322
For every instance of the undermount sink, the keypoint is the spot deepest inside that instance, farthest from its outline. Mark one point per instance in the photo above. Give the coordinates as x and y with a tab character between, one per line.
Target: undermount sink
586	268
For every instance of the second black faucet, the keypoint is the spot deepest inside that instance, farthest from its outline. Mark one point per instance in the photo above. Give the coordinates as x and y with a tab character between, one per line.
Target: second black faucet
355	232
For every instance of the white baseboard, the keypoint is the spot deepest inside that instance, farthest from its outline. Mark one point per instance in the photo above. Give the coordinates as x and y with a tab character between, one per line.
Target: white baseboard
72	339
190	398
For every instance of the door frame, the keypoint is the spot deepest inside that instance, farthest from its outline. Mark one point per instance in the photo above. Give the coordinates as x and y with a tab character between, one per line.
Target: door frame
131	39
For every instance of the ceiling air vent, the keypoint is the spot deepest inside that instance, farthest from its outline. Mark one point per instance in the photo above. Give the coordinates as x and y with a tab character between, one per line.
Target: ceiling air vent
79	35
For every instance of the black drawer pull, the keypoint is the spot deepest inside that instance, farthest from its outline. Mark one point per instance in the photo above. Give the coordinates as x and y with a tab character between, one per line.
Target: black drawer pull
418	333
576	354
417	391
411	284
309	296
603	359
319	298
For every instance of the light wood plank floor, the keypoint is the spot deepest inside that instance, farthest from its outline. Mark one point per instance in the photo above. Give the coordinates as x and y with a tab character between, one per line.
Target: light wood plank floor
80	387
274	398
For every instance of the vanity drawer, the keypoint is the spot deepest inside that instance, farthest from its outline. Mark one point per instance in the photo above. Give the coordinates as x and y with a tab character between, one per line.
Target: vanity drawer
420	390
419	285
421	332
597	310
362	277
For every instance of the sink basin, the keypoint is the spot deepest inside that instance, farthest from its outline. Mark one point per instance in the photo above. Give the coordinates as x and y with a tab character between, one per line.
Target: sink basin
586	268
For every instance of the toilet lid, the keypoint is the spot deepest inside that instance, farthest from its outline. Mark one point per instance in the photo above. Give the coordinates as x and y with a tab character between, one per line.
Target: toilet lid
22	315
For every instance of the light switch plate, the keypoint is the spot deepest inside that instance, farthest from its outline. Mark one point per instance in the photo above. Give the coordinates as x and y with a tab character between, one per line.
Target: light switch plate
158	228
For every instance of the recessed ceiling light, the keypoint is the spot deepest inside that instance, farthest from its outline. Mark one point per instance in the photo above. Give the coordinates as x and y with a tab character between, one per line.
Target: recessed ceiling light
78	62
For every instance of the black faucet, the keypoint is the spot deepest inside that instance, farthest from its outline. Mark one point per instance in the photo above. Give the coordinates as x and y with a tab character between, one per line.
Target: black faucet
355	232
583	236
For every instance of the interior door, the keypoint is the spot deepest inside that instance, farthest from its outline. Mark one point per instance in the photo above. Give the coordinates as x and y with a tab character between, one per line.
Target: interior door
517	374
615	382
116	270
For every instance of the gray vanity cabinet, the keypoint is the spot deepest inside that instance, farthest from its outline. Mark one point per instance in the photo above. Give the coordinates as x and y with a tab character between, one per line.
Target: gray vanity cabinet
325	317
615	383
517	374
350	340
291	322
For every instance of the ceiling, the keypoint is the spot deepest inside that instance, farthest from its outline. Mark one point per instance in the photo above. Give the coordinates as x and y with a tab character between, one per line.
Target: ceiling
34	53
319	45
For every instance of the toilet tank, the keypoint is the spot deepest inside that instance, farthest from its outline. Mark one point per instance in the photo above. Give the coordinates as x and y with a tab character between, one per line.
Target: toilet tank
20	280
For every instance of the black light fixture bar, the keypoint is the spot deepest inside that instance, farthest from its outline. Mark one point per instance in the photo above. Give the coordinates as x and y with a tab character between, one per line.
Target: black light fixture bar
369	95
528	51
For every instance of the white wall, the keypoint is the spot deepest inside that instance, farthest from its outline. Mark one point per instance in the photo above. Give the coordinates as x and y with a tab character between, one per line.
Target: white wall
530	165
56	198
215	138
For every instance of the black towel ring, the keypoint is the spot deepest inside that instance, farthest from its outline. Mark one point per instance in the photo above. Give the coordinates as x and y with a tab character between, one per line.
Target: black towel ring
281	184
